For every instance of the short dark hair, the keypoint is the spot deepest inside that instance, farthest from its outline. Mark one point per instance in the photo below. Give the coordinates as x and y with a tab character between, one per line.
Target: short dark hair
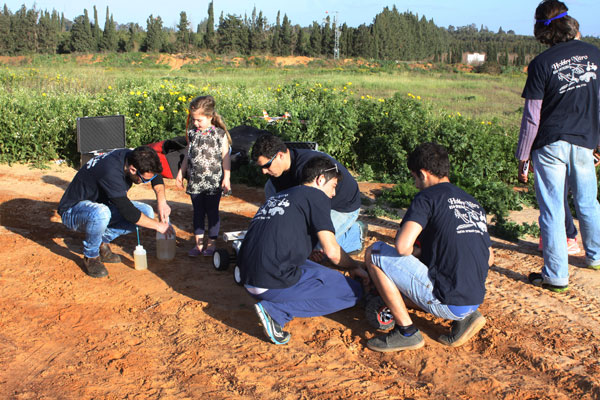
267	145
558	30
145	159
320	165
431	157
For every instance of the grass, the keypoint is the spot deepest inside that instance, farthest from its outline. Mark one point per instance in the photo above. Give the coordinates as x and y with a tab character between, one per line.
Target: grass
477	96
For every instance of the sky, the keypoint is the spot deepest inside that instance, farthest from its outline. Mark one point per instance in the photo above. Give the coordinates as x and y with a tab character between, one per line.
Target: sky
516	15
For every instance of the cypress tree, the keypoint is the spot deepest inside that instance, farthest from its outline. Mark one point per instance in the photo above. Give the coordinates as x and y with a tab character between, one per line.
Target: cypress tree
209	37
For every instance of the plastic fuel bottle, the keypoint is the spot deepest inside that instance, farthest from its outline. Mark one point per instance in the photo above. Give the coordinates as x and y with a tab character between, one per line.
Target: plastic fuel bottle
139	258
165	245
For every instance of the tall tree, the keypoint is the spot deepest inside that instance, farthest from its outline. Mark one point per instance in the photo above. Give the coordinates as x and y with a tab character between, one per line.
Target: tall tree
183	37
82	40
110	39
209	37
315	40
231	35
285	37
275	38
97	35
155	36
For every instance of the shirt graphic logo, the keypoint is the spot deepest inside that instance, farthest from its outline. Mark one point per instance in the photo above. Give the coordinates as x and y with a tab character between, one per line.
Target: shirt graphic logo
274	206
470	214
575	72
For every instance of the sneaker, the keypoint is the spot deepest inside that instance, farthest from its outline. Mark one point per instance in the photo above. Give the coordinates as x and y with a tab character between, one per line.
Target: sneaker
572	246
594	267
463	330
94	267
272	329
536	279
195	252
396	341
107	256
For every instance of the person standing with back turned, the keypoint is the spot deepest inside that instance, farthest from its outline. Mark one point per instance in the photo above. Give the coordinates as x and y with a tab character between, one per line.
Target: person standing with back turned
560	128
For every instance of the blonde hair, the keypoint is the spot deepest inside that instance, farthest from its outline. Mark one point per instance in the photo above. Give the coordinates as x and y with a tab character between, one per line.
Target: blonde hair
206	105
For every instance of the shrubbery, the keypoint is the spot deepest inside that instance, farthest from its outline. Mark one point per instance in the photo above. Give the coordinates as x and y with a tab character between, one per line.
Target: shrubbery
370	135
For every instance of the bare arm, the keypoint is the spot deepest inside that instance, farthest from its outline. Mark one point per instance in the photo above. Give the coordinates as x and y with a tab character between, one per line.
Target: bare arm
226	167
406	237
164	210
491	259
339	257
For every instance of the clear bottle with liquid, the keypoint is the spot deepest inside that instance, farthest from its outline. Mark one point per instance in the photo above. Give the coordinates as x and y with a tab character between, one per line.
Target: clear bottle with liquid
165	244
139	258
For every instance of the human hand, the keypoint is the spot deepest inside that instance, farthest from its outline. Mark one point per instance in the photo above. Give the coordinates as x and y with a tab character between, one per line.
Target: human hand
164	210
360	273
179	180
164	228
226	186
523	171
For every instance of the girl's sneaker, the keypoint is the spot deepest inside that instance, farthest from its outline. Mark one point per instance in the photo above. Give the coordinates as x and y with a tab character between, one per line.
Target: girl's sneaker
195	252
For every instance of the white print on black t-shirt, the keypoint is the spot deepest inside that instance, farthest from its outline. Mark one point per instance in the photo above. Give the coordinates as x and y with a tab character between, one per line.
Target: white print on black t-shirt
95	160
468	212
274	205
576	71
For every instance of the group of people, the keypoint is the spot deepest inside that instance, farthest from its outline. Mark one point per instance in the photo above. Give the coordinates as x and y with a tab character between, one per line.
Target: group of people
440	257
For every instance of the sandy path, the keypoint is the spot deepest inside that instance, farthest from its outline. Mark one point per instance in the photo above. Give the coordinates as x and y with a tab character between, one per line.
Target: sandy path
182	330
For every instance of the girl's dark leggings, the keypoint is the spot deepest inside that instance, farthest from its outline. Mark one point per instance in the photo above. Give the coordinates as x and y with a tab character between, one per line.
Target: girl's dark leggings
206	205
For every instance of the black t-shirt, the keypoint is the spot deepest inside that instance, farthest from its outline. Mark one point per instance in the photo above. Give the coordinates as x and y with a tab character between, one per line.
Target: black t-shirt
100	180
565	77
347	194
454	242
282	235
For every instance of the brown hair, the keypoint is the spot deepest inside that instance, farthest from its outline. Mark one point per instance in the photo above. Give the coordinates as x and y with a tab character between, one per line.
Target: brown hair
207	106
558	30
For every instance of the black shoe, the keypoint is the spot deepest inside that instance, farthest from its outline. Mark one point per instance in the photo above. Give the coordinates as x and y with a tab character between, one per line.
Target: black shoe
94	267
536	279
463	330
396	341
271	328
107	256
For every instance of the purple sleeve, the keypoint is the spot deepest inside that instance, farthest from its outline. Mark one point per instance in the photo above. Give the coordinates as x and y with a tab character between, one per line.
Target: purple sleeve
529	128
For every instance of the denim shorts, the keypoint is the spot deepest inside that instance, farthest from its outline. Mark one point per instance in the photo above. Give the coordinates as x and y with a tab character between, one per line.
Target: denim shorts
411	278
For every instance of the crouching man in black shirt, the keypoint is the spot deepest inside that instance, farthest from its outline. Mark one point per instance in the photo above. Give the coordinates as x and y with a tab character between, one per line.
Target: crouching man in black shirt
96	203
274	255
446	275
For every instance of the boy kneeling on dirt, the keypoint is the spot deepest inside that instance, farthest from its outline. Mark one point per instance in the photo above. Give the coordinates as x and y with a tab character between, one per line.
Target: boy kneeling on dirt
448	277
96	203
274	255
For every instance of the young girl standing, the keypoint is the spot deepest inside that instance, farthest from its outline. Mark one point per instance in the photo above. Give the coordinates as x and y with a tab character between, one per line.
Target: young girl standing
208	170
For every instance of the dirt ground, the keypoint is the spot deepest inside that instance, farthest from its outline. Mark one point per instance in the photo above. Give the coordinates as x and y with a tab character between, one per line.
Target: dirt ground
182	330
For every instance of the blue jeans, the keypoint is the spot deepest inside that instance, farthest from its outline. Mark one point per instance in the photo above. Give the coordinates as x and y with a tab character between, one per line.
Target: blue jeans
320	291
553	164
100	223
411	277
347	230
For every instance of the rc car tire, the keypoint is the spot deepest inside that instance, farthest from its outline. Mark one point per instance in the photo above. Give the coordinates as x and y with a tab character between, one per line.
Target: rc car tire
378	314
221	259
237	275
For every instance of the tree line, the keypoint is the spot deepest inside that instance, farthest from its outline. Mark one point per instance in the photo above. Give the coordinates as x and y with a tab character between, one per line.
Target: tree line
392	35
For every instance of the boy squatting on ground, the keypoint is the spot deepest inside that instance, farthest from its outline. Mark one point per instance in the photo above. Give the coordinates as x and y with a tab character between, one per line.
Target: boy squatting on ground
96	203
274	261
447	278
284	167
